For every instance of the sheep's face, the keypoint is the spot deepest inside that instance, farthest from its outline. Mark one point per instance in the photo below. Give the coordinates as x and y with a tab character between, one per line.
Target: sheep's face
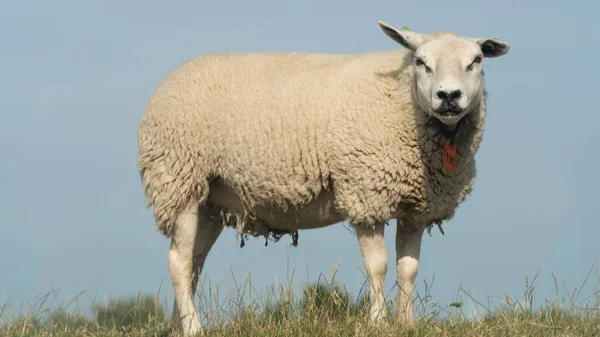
448	70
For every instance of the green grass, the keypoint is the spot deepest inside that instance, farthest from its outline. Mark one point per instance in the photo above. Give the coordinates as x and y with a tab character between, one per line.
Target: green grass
322	309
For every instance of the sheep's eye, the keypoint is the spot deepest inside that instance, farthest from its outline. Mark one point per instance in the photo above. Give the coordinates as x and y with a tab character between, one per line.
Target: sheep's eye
477	59
420	63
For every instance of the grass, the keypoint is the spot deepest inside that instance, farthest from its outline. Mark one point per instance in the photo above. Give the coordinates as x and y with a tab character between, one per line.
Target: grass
322	309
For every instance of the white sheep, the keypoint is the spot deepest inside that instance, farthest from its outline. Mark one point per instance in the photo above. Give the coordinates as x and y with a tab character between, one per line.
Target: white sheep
273	143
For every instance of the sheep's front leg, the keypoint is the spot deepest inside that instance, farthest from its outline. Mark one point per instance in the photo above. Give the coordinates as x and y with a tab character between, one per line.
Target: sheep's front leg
181	256
372	247
408	250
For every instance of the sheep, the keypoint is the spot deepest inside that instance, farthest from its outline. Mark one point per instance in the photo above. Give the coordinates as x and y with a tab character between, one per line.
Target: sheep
274	143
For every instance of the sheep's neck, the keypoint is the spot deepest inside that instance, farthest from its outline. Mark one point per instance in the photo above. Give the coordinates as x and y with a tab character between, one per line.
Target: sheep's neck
450	131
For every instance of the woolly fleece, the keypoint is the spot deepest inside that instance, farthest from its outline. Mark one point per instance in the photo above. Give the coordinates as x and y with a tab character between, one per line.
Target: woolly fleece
282	128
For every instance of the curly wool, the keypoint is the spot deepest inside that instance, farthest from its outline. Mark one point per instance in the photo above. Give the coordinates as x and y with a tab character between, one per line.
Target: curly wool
281	128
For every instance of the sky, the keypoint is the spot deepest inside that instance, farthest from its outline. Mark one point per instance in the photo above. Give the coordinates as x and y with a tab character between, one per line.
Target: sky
76	76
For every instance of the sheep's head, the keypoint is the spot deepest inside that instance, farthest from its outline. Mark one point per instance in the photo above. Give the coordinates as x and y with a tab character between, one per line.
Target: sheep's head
448	70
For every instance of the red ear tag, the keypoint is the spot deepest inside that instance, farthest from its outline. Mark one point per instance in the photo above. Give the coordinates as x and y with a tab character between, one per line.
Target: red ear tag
450	157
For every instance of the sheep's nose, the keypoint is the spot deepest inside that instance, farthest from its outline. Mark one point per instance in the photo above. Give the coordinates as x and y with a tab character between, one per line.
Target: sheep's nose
447	96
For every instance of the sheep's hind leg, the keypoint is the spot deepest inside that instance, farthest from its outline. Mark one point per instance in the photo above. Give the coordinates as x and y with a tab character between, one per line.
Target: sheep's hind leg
181	256
206	236
408	250
372	247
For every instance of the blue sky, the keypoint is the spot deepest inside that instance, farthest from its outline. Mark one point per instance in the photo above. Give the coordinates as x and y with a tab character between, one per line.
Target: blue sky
76	77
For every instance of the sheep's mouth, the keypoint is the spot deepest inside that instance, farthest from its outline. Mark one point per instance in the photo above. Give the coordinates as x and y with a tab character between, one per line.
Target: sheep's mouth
449	112
449	116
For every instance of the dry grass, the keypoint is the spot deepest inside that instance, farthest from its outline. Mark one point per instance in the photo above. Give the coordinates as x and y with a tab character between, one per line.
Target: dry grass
322	309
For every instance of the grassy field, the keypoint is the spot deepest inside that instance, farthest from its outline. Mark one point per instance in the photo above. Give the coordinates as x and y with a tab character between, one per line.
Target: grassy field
322	309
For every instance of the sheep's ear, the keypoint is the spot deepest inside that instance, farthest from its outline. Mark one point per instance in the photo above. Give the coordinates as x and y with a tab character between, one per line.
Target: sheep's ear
406	38
492	47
